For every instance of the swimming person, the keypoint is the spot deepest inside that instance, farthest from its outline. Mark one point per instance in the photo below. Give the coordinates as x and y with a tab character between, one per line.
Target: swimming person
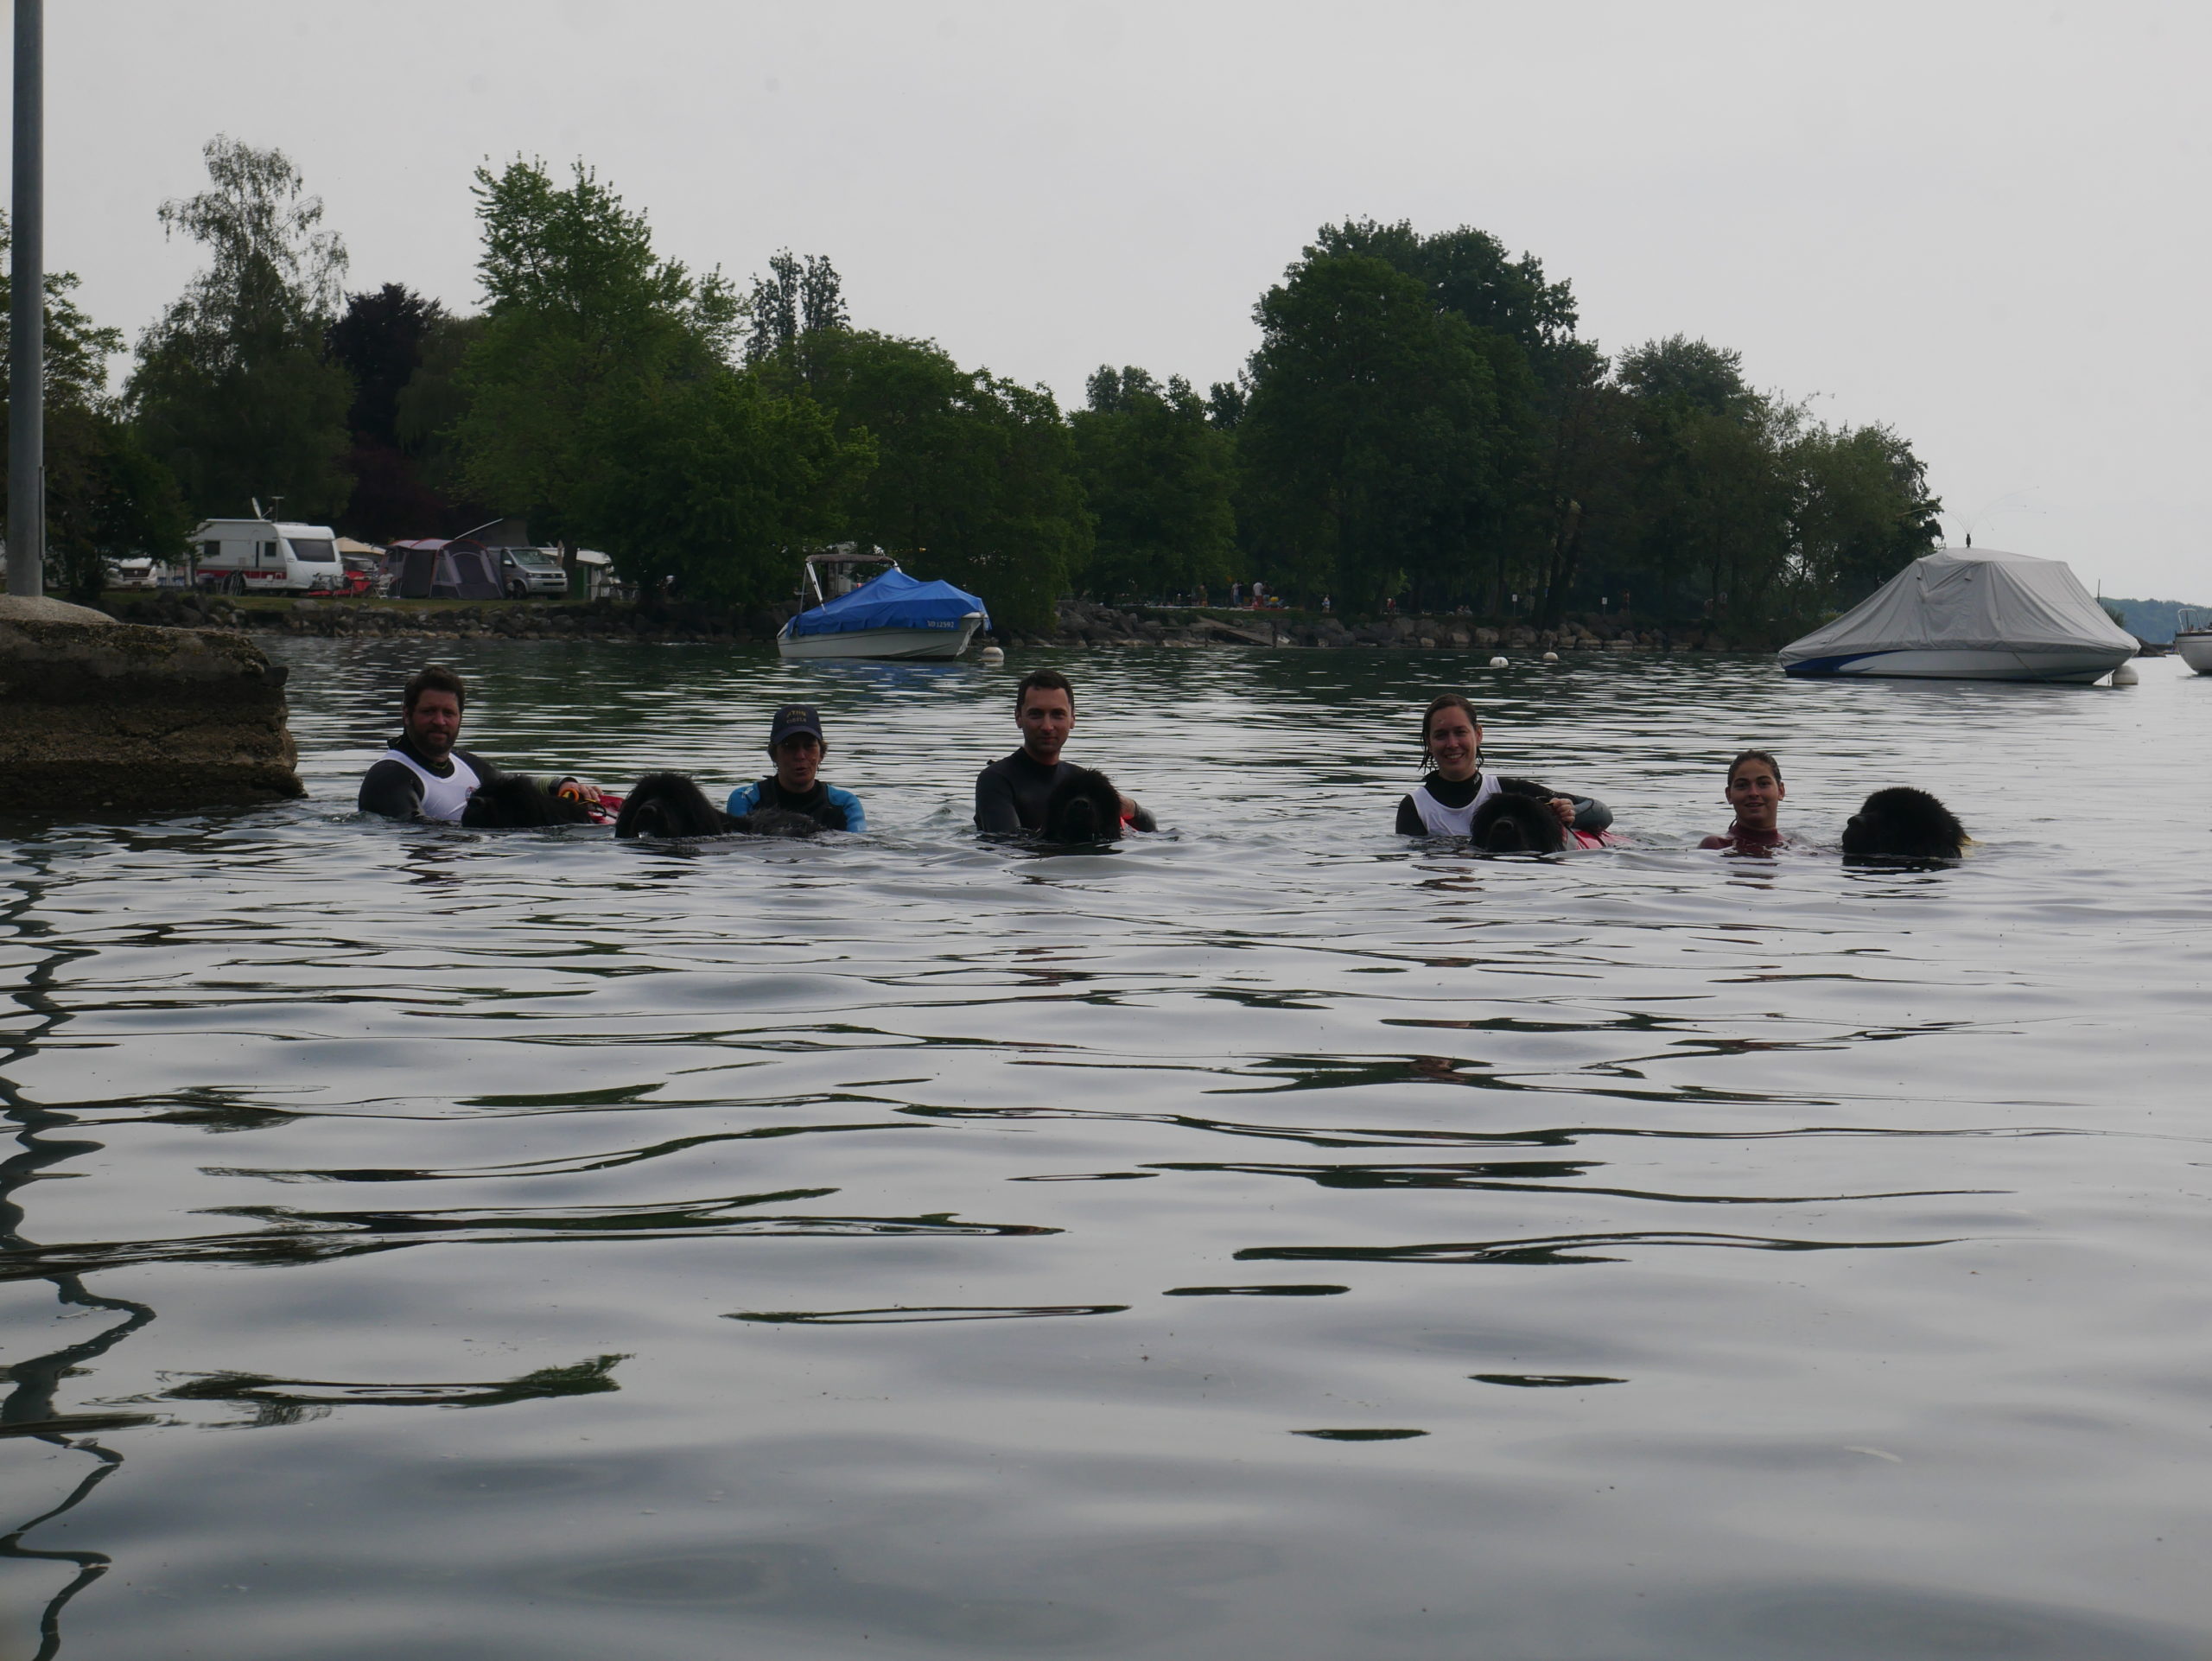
1755	791
1444	803
421	775
1012	793
796	746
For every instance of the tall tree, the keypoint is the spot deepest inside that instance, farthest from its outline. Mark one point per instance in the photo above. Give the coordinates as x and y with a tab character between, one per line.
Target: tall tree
106	499
1372	441
1157	475
975	480
231	389
583	317
378	342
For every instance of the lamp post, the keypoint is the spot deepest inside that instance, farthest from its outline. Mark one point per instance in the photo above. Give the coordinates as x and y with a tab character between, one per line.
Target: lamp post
27	314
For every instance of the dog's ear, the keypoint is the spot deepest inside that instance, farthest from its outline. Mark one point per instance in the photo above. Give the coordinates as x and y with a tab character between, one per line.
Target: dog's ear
1511	824
669	805
1083	807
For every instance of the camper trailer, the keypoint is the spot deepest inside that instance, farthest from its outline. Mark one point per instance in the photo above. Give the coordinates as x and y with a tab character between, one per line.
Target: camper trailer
266	557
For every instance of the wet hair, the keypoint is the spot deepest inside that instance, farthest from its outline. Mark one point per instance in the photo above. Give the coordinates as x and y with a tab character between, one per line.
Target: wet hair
775	821
513	801
1766	756
1083	807
434	678
1511	824
1446	701
1904	825
1042	680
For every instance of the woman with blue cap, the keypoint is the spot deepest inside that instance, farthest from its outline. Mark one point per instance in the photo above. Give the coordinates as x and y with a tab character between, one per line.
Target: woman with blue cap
796	746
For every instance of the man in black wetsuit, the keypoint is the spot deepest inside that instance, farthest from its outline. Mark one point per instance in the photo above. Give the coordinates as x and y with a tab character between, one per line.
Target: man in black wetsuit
423	776
1010	793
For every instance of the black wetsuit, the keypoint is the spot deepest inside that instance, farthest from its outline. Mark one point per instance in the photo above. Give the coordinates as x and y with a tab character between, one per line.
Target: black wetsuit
393	790
1590	813
1011	793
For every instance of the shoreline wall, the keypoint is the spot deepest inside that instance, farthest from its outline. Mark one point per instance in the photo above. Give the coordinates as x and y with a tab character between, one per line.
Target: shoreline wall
1081	623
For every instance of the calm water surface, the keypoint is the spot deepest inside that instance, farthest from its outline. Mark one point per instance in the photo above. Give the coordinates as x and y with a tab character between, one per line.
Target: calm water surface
1267	1239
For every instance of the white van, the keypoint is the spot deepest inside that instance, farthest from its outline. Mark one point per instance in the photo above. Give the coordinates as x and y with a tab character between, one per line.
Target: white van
527	571
267	556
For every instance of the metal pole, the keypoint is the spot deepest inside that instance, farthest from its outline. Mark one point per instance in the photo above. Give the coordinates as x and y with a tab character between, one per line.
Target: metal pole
27	313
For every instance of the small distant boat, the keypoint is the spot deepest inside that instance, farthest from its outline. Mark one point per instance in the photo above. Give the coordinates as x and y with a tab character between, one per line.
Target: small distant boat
2193	639
890	615
1970	614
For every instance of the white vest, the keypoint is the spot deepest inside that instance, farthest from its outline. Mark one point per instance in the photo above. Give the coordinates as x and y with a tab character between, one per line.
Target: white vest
1441	821
442	799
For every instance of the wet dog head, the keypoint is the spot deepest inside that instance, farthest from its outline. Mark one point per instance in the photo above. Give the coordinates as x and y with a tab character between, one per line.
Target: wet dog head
670	804
1901	824
1083	807
775	821
1508	824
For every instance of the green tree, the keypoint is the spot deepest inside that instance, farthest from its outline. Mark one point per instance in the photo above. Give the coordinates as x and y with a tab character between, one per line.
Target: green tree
975	479
231	389
1372	440
1158	477
107	497
584	320
1861	512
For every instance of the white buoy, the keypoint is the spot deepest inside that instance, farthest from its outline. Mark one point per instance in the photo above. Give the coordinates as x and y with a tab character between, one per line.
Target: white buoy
1497	663
1551	657
2125	675
991	657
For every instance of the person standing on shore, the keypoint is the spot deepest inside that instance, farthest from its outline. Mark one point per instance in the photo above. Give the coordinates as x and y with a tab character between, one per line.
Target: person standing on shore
1755	791
796	746
421	775
1444	803
1011	793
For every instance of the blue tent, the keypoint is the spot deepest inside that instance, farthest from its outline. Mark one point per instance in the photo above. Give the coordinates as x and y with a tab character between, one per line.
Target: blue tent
891	600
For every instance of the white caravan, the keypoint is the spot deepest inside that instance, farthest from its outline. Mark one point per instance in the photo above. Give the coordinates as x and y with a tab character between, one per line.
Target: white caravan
267	556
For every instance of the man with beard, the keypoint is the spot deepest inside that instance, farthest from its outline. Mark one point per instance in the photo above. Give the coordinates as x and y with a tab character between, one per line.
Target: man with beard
423	776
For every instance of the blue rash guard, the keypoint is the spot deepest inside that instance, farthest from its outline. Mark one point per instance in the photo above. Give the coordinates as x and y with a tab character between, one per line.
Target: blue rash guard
827	805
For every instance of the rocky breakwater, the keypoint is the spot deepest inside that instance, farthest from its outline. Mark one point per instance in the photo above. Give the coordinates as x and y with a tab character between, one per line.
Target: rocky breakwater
98	715
378	620
1086	624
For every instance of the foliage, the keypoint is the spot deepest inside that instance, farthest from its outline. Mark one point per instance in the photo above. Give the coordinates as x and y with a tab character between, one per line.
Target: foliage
718	476
1372	439
585	320
797	299
380	343
975	480
107	497
1158	477
231	389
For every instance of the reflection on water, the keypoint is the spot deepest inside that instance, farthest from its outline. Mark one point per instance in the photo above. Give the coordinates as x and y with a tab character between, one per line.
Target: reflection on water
912	1246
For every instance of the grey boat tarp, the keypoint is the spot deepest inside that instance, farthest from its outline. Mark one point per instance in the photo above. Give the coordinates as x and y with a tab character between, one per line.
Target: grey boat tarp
1963	600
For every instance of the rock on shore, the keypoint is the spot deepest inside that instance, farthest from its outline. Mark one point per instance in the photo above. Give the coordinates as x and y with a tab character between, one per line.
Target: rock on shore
96	713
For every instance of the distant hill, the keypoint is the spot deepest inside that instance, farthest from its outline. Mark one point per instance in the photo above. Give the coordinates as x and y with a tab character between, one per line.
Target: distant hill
2150	620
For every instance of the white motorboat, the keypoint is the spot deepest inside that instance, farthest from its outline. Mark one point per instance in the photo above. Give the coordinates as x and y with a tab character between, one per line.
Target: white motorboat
889	614
1970	614
2193	639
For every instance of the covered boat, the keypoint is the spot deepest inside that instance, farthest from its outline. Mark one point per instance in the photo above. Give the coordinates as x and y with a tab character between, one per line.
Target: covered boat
1970	614
890	616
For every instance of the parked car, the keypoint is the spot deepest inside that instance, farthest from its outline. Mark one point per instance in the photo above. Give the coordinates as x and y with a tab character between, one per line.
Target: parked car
139	571
527	571
267	556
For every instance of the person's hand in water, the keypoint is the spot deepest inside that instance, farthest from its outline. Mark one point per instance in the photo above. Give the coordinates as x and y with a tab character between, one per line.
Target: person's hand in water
1565	809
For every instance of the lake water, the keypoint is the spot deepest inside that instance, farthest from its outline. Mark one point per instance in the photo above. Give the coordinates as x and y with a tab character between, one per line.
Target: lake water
1269	1238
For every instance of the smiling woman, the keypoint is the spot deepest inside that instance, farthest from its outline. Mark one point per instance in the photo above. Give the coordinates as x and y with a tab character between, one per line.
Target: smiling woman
1454	785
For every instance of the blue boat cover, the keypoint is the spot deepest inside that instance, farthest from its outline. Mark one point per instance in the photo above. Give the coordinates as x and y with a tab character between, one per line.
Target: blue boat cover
893	600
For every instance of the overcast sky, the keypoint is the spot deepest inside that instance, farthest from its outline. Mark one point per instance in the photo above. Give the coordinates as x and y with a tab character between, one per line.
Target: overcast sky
1984	225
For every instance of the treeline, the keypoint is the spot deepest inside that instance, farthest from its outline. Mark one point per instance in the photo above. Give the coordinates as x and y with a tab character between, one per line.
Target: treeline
1420	425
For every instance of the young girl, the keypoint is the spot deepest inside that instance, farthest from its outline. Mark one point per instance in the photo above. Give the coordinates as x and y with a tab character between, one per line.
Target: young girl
1755	791
1455	785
